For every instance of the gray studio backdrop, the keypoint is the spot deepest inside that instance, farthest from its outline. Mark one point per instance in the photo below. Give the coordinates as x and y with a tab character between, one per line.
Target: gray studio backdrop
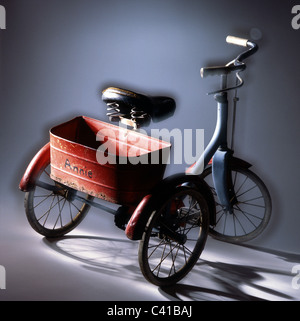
57	56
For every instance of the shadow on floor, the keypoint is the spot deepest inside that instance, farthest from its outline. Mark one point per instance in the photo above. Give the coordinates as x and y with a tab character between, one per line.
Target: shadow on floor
112	256
208	280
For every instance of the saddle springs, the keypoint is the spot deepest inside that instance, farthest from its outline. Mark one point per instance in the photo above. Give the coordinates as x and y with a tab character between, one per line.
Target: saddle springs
132	117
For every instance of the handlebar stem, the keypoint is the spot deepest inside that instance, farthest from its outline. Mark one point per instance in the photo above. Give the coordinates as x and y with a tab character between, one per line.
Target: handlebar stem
223	82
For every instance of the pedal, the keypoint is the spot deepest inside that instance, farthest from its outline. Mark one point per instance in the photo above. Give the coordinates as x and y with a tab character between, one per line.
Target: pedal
122	217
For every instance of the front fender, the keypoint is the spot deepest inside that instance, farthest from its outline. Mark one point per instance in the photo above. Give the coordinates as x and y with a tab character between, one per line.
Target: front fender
238	162
164	190
39	161
220	173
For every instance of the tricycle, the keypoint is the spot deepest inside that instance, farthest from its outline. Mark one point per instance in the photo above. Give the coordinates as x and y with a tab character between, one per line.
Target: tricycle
89	162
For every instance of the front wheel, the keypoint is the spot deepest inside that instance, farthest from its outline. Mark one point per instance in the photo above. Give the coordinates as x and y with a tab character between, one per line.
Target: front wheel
174	237
251	204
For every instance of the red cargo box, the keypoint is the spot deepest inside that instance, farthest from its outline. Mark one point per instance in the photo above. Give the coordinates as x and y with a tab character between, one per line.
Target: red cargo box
131	163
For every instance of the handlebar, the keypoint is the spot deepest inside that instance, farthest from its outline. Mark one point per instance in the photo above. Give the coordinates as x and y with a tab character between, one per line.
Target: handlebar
237	64
237	41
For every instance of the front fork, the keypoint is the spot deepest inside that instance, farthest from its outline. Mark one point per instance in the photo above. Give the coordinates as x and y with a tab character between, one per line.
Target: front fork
222	163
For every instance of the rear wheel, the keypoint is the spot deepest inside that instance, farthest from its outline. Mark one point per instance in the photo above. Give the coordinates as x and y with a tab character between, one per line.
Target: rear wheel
174	237
56	212
251	204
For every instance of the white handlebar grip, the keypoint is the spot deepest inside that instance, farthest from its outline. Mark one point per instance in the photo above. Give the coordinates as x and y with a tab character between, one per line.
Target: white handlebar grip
237	41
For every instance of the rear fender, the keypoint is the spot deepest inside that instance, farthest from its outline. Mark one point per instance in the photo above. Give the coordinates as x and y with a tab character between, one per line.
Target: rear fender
39	161
137	223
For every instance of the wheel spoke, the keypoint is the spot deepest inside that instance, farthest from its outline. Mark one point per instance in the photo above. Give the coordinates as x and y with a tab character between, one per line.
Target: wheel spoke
247	191
246	216
47	195
164	257
47	212
253	199
237	208
51	194
187	249
246	178
220	217
156	247
237	219
161	258
59	217
173	259
251	204
224	223
184	253
76	207
71	217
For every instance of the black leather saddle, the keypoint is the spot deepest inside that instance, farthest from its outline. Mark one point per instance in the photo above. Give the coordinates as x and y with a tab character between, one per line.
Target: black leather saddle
135	107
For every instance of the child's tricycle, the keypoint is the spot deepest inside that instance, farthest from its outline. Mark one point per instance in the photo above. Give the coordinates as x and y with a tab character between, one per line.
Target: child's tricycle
87	159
